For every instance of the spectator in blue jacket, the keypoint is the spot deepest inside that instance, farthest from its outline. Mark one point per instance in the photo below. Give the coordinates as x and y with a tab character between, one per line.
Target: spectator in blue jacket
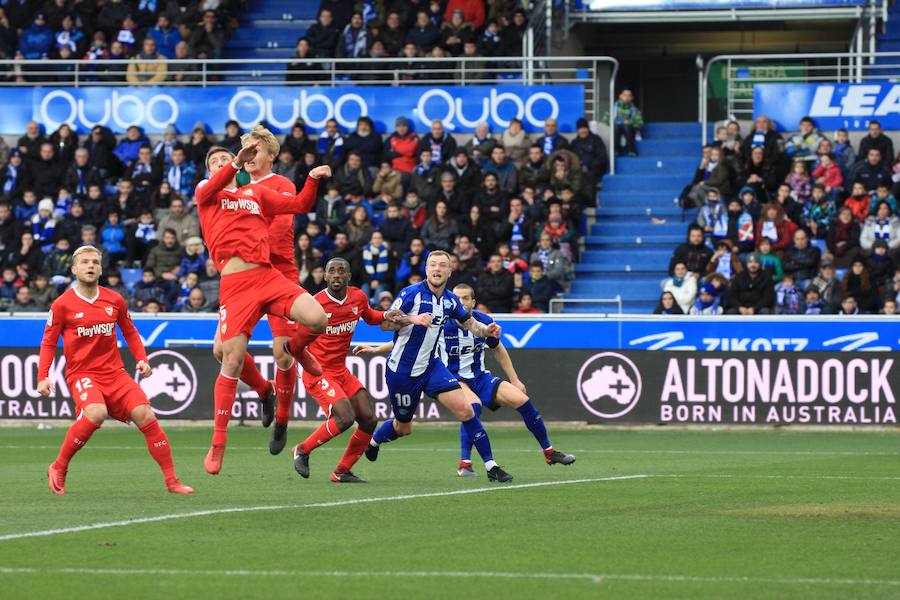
36	41
365	142
112	236
541	288
70	37
166	36
127	150
376	262
507	174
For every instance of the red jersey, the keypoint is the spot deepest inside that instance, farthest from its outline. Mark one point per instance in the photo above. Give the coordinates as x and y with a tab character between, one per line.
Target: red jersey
88	327
281	229
331	347
235	222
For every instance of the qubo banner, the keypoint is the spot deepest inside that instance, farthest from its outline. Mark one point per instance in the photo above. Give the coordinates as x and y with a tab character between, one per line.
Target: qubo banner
728	388
630	5
830	105
761	334
459	108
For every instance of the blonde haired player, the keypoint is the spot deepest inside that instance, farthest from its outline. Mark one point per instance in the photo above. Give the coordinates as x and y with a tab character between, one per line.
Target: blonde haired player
86	315
281	256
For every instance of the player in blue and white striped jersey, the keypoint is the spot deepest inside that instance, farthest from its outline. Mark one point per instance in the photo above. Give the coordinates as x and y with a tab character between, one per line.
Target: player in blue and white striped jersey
413	366
463	353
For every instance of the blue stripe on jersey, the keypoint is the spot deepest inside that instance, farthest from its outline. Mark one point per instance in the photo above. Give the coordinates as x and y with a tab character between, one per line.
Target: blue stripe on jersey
462	351
414	345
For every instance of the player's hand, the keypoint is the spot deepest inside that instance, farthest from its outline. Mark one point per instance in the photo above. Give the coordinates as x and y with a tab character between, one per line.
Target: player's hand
519	386
247	152
393	315
362	349
320	172
423	319
493	330
144	369
45	388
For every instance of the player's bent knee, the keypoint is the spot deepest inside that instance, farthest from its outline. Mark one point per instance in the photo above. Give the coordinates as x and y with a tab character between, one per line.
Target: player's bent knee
217	353
95	413
143	414
343	414
367	423
283	359
402	429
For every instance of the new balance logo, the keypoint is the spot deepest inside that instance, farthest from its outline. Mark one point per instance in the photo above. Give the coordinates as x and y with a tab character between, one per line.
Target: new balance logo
79	315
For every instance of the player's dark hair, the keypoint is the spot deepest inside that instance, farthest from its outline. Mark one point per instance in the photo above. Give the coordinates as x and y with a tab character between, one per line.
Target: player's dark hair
466	287
215	150
338	259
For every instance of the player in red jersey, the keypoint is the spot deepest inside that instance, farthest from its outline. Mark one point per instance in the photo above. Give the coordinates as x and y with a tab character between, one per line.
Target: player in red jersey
341	395
86	315
281	255
235	223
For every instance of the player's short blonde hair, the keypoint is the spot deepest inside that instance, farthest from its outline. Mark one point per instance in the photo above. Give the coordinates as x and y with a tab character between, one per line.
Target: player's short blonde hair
265	136
438	253
85	250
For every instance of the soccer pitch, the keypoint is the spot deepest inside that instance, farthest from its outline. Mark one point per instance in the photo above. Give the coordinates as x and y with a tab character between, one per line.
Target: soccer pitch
645	513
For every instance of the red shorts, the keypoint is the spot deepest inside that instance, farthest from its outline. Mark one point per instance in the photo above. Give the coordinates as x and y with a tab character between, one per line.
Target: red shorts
244	297
117	390
331	386
280	326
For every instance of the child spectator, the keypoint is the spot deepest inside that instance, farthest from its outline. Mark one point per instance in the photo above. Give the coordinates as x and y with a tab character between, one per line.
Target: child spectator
775	226
883	194
814	304
818	212
881	266
884	225
858	201
788	297
770	261
725	260
628	123
525	305
707	302
828	174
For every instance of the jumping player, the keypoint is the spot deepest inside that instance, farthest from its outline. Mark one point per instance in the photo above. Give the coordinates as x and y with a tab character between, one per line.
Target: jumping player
341	395
281	255
235	224
412	367
86	315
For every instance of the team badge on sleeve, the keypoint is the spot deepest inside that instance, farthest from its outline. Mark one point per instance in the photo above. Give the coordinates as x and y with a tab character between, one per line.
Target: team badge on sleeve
49	318
108	310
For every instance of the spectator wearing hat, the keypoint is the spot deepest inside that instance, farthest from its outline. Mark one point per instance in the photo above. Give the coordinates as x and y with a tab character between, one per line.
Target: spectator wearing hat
683	286
857	283
707	302
883	225
590	150
752	291
880	264
401	147
377	267
628	122
148	67
466	172
826	282
384	300
36	41
162	151
232	139
195	257
297	141
195	150
43	225
366	142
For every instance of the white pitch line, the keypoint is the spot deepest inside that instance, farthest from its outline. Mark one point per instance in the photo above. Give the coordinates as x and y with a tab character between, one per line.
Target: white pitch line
241	509
592	577
517	450
742	476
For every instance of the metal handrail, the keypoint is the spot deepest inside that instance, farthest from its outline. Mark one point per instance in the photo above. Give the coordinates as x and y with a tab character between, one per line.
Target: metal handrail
559	301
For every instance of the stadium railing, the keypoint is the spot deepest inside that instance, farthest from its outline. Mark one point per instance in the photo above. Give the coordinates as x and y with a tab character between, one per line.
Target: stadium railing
742	71
596	74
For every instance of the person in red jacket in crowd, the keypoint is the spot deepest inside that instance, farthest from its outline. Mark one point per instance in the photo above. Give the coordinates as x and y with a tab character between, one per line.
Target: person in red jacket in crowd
775	226
859	201
473	12
401	147
828	173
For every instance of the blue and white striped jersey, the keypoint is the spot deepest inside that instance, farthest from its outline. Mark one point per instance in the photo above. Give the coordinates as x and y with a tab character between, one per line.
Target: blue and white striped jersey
414	345
461	351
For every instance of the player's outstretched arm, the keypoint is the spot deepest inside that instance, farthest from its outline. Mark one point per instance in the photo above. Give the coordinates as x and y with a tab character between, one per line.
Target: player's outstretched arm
365	349
133	339
395	320
479	329
206	190
275	203
505	361
52	332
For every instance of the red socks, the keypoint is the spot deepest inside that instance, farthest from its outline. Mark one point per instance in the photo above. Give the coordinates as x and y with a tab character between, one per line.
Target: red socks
252	377
225	391
322	435
158	445
285	386
77	436
359	441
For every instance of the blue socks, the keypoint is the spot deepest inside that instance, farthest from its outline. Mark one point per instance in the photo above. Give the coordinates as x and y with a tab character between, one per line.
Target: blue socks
479	437
535	424
385	433
465	442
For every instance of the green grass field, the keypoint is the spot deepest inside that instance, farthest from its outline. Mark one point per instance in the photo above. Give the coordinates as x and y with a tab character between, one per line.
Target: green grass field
767	514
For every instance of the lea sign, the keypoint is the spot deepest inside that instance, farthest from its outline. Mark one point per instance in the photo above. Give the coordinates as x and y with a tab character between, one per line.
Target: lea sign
831	105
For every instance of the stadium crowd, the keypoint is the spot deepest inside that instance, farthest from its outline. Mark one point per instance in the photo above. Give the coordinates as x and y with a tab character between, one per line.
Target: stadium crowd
507	205
803	225
141	34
